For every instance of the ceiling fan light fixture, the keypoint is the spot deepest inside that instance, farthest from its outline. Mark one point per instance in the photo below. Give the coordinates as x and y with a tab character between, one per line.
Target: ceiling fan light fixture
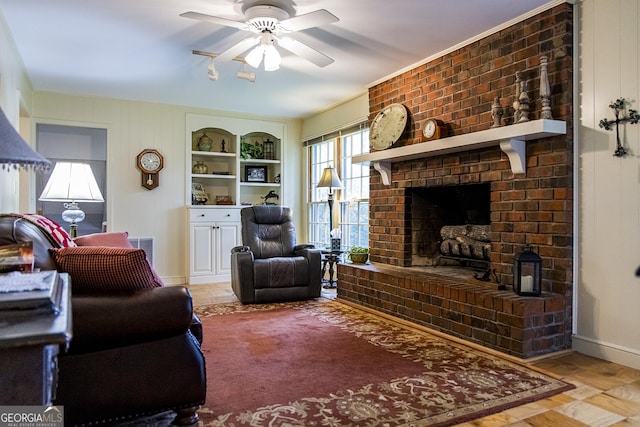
267	49
254	58
272	58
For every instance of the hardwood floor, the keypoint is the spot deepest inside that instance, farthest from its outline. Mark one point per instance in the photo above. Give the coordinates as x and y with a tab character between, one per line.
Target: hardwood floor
606	394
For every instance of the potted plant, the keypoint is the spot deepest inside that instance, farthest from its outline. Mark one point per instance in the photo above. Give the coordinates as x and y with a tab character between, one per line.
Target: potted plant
358	254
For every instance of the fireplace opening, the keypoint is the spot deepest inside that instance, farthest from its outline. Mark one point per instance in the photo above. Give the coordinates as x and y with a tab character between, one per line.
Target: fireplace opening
451	223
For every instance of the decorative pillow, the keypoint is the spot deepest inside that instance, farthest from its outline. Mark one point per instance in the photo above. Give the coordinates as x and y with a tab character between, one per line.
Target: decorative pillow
114	239
50	227
96	269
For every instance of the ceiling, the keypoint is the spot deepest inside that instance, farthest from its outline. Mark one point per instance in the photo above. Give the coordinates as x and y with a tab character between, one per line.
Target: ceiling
142	50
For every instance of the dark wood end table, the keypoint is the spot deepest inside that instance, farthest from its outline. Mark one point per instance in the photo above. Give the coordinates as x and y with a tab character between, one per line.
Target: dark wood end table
329	259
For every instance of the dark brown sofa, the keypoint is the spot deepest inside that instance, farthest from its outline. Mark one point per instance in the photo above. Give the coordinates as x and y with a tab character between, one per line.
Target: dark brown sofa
132	354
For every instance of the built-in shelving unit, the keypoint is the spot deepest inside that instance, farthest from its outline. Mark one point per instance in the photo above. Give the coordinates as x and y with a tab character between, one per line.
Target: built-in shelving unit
240	170
511	139
219	173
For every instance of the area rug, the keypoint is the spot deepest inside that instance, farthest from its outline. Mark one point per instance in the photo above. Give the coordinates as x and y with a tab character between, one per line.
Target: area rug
325	363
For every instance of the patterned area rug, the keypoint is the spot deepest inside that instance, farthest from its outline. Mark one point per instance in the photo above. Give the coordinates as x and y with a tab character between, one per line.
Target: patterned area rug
358	379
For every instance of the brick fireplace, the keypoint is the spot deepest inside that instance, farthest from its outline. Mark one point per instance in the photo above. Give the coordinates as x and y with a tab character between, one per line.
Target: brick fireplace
533	208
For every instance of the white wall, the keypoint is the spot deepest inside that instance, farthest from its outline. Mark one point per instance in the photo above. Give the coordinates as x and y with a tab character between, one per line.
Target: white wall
13	83
608	192
131	127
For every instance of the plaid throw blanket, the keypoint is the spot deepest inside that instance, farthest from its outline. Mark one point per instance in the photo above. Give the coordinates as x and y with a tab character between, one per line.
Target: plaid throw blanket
50	227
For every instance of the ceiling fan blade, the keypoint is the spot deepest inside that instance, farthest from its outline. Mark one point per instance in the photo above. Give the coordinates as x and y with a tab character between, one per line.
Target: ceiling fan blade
308	20
215	20
238	48
304	51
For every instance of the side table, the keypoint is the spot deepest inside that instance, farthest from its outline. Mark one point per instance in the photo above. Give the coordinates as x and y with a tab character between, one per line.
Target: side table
330	258
29	347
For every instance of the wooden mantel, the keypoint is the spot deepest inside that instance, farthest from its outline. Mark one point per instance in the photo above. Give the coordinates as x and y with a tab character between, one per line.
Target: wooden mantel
511	139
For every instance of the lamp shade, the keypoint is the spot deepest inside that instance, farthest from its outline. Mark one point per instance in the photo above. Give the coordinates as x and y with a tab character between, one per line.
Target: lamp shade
72	181
15	151
329	179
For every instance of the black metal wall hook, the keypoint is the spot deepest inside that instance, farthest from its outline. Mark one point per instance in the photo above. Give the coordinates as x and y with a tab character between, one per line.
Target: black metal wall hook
620	105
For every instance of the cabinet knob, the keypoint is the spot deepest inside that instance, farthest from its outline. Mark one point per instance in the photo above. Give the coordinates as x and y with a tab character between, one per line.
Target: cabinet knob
201	214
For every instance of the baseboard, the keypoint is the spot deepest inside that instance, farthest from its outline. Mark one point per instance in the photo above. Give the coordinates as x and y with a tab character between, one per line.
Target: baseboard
204	280
173	280
606	351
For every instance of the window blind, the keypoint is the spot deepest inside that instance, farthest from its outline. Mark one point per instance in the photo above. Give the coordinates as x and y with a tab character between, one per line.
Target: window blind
358	127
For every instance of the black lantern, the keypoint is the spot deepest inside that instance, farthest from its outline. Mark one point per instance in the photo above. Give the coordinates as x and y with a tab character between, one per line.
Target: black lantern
269	150
527	273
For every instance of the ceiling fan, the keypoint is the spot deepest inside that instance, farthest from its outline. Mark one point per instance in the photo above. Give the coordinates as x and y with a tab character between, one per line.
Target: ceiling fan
271	25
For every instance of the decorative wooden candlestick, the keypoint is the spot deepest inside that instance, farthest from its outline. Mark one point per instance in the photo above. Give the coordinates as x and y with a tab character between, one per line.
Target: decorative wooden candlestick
545	91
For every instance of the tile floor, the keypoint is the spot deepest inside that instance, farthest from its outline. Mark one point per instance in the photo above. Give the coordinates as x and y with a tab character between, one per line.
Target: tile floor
606	394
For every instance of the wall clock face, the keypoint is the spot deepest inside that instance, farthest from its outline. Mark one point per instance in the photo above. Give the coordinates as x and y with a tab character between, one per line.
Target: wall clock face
387	126
150	161
430	129
433	129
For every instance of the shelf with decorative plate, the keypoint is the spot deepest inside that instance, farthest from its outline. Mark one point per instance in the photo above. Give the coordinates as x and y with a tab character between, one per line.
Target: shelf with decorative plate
511	140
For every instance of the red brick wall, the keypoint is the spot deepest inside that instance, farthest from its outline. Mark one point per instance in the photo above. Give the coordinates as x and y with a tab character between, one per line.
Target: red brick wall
459	88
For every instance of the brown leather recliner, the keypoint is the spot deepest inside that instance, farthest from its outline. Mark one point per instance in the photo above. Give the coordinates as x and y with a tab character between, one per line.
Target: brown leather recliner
131	355
270	266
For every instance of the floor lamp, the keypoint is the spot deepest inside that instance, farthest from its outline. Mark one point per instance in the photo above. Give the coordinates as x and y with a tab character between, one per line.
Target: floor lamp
330	180
72	182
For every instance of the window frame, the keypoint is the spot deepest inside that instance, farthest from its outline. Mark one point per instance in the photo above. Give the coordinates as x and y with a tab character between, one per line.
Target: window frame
335	152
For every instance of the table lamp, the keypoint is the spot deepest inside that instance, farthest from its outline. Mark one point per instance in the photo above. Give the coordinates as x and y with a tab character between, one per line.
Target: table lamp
330	180
72	182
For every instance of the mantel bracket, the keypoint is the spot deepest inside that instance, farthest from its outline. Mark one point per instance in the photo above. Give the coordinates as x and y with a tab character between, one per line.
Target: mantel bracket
516	150
385	171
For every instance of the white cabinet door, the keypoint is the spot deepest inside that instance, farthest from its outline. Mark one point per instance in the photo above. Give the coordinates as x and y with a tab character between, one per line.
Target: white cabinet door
227	236
212	235
202	246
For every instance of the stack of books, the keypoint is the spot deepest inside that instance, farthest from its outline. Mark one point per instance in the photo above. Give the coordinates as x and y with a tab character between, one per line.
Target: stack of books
30	293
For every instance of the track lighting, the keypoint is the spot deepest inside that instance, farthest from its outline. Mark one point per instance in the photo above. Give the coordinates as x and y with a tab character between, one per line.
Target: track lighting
244	74
212	73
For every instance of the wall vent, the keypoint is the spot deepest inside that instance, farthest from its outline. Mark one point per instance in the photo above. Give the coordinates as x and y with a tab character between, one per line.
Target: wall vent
144	243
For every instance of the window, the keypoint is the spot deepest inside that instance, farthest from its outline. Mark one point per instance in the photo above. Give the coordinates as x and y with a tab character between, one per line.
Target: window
322	156
354	203
351	202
